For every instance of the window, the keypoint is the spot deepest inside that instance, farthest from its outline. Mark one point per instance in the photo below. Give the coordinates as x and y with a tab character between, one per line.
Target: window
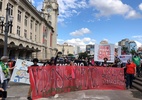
31	36
10	9
0	5
35	27
25	33
31	24
49	17
19	16
1	30
35	37
50	22
18	30
26	20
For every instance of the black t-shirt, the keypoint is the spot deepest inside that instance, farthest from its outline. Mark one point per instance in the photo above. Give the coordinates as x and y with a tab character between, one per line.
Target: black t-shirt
105	64
31	66
34	65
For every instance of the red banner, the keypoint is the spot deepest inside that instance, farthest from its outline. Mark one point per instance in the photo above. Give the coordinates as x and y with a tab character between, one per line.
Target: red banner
49	80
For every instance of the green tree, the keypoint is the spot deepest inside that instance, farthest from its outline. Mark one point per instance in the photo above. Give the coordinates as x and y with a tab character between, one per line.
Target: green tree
125	50
70	55
132	51
83	55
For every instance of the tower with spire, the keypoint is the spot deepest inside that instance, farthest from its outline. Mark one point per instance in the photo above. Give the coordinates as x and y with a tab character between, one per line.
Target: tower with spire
50	12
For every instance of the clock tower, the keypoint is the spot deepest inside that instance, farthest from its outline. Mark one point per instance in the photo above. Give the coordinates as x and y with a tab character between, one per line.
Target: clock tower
50	11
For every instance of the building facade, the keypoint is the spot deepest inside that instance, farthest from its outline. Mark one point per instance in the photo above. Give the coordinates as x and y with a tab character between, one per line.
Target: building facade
127	46
77	50
32	35
132	45
90	49
65	49
124	43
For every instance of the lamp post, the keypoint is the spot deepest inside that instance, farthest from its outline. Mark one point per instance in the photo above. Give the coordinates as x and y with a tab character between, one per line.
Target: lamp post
7	25
63	49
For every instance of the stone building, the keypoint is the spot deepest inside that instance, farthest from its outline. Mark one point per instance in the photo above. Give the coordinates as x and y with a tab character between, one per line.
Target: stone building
34	33
66	49
127	45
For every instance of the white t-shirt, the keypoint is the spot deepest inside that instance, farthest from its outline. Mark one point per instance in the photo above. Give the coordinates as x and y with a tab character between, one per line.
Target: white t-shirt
2	76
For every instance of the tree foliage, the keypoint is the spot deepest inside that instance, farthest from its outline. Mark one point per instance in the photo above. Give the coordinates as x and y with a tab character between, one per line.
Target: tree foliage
132	51
83	55
70	55
125	50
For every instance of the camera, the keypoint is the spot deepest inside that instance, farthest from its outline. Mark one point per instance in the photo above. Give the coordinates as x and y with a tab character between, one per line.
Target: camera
3	94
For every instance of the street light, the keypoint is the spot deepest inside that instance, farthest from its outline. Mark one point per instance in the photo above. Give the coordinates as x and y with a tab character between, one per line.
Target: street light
63	49
8	25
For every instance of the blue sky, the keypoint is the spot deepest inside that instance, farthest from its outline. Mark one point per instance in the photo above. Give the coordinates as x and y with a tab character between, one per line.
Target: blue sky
82	22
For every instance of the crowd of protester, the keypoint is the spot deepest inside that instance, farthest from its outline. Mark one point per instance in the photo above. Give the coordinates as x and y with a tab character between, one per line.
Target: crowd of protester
132	68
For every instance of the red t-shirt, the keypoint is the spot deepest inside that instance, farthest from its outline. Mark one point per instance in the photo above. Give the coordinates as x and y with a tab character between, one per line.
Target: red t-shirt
130	68
10	64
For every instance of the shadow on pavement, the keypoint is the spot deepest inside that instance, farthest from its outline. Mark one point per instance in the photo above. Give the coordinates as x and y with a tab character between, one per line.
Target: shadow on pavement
18	84
136	94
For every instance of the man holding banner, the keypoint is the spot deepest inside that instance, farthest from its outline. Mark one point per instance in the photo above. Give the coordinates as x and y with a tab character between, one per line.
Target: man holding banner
35	61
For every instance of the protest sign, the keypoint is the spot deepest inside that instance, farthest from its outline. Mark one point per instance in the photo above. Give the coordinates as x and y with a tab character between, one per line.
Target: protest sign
104	51
51	80
124	58
20	74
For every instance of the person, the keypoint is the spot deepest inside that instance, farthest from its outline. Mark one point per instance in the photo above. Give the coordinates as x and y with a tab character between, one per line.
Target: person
53	61
92	62
4	72
71	63
136	59
117	63
130	72
35	61
1	89
105	63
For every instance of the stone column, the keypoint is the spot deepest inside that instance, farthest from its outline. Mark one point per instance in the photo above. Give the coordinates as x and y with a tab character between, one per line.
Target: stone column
14	29
29	27
22	23
33	31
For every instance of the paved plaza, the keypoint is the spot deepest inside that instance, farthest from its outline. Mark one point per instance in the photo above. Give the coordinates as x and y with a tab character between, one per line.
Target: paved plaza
18	91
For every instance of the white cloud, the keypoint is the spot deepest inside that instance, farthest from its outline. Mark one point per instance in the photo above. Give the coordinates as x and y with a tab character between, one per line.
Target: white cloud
107	8
32	1
138	37
39	6
140	6
138	40
86	39
67	8
105	40
138	44
79	42
60	41
80	32
116	44
133	14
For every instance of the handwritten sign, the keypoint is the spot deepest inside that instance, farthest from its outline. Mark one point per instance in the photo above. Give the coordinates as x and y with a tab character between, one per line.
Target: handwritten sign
49	80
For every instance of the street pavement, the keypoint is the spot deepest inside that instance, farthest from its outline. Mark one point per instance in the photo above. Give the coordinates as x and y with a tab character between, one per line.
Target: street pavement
18	91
